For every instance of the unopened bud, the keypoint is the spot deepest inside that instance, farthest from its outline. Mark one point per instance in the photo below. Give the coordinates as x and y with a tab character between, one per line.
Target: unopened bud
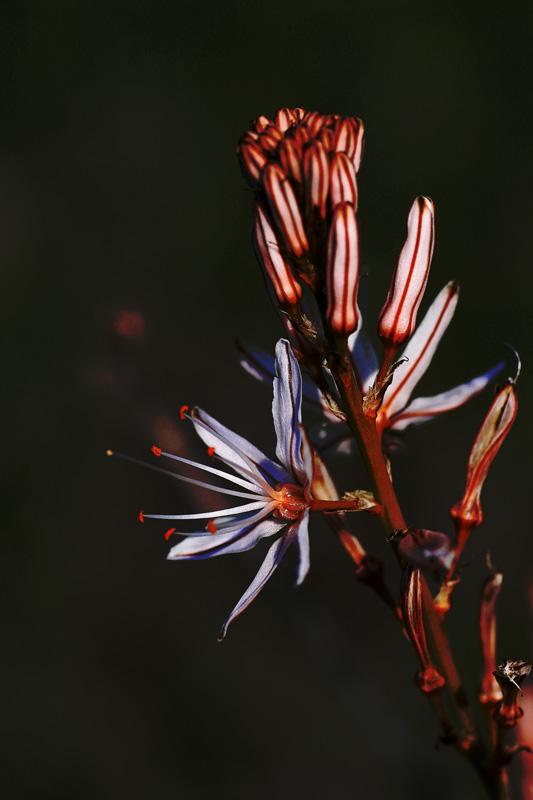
398	317
285	118
284	209
278	271
343	182
343	271
349	140
252	160
316	171
290	157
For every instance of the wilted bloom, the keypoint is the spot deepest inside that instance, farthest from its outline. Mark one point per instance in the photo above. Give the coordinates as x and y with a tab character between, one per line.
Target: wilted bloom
303	168
467	513
398	316
397	410
278	495
510	675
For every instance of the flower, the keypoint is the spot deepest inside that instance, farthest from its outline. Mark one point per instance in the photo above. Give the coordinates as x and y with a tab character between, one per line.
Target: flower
278	494
397	411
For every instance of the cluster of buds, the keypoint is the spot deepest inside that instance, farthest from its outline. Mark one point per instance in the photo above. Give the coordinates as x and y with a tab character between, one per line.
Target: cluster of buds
303	169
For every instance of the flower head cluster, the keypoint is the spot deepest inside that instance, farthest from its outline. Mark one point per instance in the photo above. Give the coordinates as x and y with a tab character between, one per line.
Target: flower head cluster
278	494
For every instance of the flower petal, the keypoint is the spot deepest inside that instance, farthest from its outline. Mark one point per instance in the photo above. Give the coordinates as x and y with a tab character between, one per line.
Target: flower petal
302	540
273	557
421	349
236	451
261	366
223	512
364	356
235	539
424	409
287	412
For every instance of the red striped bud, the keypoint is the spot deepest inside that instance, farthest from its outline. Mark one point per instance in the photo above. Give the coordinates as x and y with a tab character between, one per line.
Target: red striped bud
284	209
290	157
398	316
314	122
343	182
252	160
343	271
316	171
260	123
349	140
285	118
286	288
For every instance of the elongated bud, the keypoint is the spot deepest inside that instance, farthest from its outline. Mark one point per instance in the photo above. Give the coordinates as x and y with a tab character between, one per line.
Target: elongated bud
349	140
252	160
343	182
398	316
343	271
496	425
290	157
286	288
284	209
316	171
285	118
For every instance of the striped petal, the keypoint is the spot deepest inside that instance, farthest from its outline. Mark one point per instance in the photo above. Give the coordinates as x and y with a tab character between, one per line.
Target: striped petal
398	316
235	539
273	557
364	357
316	171
421	350
287	412
424	409
237	452
343	271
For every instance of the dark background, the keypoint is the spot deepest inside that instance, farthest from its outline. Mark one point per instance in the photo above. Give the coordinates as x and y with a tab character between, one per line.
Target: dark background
120	192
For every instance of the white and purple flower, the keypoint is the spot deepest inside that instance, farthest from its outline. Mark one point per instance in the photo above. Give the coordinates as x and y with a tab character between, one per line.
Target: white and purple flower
278	495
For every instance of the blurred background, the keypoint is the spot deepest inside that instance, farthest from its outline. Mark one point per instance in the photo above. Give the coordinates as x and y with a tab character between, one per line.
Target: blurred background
127	273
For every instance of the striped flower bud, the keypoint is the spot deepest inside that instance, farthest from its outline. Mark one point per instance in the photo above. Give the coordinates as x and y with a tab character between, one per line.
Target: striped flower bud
343	183
284	208
290	158
316	171
398	316
252	160
277	271
349	140
343	271
285	118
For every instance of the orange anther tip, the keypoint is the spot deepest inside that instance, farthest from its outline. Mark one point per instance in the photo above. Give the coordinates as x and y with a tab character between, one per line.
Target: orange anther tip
169	533
210	451
109	452
156	450
141	516
183	409
211	527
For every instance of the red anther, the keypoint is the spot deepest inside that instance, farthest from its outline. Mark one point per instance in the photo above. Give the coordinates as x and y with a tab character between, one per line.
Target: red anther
140	518
156	450
211	527
169	533
210	451
183	409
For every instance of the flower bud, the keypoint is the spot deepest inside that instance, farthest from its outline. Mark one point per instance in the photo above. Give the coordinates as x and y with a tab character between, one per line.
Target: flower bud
278	272
398	316
343	182
290	158
316	171
349	140
343	271
252	160
285	118
284	209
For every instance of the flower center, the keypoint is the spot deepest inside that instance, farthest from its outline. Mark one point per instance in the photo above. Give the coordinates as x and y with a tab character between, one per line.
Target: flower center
291	501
